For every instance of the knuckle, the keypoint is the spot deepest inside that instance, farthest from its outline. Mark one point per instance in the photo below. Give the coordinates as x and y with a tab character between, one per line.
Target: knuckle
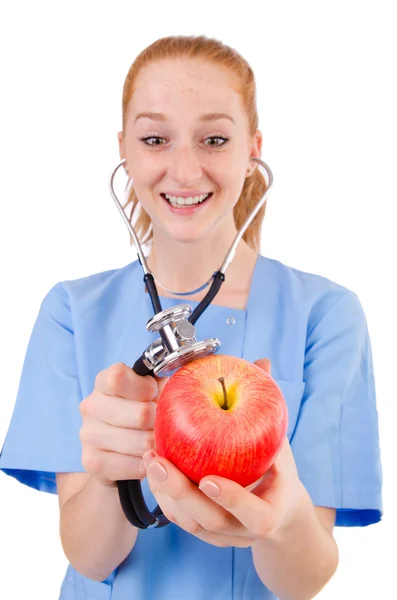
217	526
148	440
86	434
116	375
146	388
193	527
98	379
91	462
178	494
152	387
83	434
144	417
85	407
231	502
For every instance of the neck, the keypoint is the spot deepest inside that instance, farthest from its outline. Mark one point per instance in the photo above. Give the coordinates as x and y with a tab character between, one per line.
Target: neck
182	267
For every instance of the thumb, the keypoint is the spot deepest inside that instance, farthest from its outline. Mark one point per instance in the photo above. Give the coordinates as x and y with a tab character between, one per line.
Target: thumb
265	364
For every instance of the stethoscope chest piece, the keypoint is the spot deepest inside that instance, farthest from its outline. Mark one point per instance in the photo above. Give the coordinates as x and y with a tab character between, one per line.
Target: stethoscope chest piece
177	344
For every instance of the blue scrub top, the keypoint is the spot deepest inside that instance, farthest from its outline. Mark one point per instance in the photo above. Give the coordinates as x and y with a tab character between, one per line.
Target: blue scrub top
315	333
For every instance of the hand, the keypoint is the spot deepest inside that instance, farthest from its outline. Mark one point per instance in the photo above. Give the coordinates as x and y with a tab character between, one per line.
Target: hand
237	516
118	424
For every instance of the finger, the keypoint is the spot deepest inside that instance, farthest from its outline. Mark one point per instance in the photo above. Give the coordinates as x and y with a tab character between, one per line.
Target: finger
161	382
265	364
113	466
119	412
264	481
120	380
117	439
190	501
176	515
255	513
224	541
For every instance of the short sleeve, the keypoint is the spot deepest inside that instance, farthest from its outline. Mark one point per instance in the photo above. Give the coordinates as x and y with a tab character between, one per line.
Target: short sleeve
336	440
43	435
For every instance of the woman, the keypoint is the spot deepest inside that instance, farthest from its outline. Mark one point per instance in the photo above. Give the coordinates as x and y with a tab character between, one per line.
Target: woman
83	419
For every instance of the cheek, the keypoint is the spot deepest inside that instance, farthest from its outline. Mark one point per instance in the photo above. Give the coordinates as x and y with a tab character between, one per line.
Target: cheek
144	183
239	186
234	190
230	178
145	168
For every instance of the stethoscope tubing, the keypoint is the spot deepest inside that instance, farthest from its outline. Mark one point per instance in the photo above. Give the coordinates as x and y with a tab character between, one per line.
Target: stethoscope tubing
130	491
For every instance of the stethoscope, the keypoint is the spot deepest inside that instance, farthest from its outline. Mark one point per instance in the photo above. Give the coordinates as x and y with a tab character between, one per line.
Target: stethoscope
176	346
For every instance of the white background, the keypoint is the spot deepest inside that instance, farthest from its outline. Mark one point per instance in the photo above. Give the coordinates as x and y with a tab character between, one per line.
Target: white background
326	75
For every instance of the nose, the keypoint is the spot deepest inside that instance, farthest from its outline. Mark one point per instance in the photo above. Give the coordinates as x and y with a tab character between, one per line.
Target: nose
184	165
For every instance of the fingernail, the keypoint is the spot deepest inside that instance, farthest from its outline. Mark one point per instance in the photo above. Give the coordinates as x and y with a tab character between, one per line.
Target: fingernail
210	488
157	471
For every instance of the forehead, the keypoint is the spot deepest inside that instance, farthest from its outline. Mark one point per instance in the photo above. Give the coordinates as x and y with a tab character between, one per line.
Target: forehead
185	84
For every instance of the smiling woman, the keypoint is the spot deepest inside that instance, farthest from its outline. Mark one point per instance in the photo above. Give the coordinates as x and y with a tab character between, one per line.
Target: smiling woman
84	420
202	144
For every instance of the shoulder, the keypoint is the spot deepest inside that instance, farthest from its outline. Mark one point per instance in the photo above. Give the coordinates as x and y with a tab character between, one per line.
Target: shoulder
311	293
99	282
101	288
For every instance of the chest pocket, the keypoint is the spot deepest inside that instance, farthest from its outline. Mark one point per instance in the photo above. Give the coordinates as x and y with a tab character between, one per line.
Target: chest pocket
292	392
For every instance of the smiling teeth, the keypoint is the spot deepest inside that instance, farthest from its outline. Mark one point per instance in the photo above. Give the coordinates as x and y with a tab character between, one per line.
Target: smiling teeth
177	201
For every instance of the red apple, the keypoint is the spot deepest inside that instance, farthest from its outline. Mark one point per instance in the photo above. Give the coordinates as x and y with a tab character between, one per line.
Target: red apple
221	415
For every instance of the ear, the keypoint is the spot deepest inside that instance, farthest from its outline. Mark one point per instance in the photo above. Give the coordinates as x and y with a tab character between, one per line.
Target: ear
121	150
256	146
121	144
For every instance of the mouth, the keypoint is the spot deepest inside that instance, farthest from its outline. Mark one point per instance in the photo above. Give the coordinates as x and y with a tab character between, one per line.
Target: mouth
186	208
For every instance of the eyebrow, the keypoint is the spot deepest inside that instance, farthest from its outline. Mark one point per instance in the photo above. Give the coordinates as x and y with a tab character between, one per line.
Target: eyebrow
205	117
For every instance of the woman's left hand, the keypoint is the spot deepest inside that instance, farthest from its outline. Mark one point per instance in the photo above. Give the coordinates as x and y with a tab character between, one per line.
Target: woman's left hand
237	516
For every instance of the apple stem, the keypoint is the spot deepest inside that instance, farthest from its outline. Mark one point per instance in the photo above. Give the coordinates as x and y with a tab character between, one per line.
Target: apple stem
222	382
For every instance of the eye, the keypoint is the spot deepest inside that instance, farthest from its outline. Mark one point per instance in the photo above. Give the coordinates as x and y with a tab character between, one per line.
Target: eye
151	137
217	137
157	140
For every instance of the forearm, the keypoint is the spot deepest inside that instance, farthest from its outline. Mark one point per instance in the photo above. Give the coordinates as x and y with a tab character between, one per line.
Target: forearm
96	536
295	564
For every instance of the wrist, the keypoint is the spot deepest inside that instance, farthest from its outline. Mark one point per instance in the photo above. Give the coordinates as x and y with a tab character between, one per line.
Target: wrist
298	518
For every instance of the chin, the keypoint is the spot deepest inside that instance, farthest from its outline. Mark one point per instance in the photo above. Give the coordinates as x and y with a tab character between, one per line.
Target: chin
187	233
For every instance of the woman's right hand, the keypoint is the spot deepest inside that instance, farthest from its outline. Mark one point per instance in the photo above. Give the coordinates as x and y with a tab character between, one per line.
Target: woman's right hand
118	424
